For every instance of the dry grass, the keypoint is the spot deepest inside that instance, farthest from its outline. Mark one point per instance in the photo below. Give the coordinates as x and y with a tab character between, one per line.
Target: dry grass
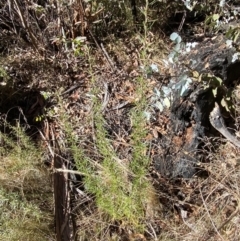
26	197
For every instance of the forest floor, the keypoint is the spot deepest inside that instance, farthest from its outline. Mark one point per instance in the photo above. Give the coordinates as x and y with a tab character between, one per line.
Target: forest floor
92	104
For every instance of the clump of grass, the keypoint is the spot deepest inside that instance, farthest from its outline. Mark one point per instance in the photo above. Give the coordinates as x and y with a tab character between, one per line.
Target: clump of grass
22	220
116	193
23	189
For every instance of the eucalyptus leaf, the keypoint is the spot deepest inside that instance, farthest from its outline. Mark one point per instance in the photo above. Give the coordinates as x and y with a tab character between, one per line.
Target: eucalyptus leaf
236	36
185	88
214	91
183	84
215	17
229	43
175	37
147	115
166	91
157	92
154	68
167	102
222	3
171	57
177	47
195	74
159	105
224	104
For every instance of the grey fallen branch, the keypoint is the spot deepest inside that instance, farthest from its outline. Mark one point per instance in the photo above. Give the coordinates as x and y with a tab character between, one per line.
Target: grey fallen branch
218	123
69	171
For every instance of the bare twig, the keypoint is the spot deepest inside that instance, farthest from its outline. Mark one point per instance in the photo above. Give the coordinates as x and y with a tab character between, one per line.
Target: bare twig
120	106
25	25
229	219
47	143
106	97
107	57
182	22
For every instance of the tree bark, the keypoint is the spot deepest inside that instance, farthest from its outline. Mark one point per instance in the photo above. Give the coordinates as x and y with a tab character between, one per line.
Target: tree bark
62	202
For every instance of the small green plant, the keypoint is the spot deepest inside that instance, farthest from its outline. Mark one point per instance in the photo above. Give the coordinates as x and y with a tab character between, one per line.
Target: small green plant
211	22
3	76
233	33
78	44
218	89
